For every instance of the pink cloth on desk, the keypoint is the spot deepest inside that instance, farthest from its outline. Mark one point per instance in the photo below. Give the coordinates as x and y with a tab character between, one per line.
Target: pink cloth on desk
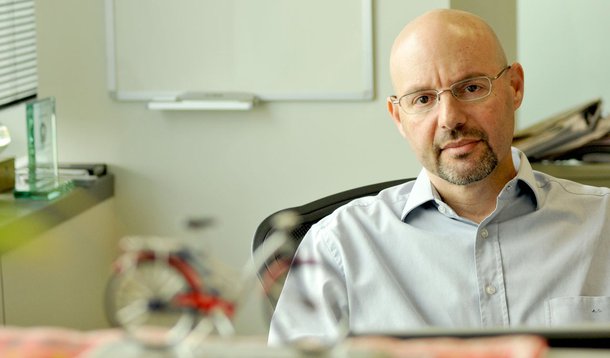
51	342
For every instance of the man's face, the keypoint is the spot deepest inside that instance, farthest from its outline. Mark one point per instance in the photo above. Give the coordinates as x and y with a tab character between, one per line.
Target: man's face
460	142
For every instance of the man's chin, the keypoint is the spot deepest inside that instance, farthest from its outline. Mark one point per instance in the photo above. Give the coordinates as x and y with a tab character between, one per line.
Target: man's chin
464	174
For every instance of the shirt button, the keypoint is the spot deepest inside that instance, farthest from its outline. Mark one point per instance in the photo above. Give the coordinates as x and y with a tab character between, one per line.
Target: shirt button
484	233
442	209
490	289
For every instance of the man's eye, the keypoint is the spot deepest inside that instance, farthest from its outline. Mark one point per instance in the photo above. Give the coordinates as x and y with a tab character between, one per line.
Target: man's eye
472	88
422	99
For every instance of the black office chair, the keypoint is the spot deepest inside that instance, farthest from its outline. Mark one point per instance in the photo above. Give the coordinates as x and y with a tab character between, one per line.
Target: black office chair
308	214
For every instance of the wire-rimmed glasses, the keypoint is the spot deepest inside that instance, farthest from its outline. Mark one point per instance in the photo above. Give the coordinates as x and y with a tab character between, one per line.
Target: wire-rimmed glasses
468	90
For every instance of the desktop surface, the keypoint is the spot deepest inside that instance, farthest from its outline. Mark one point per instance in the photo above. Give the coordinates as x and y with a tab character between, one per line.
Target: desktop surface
590	337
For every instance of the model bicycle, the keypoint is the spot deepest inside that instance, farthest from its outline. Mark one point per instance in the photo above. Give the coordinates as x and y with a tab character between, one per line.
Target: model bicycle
161	290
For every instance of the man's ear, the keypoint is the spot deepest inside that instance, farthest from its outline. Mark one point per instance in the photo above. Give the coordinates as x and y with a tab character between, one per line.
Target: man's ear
394	110
517	83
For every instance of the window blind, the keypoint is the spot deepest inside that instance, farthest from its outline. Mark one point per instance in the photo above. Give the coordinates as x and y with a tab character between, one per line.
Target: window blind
18	71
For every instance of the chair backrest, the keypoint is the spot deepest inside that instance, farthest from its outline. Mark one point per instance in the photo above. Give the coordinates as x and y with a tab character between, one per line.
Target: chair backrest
310	214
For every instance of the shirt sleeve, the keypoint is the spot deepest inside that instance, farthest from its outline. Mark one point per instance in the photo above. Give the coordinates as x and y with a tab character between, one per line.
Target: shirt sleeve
313	303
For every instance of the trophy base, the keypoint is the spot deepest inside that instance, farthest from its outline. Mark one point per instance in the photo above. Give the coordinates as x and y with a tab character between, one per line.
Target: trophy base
42	189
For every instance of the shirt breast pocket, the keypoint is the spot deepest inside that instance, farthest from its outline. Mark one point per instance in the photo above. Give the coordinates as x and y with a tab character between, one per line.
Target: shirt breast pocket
578	310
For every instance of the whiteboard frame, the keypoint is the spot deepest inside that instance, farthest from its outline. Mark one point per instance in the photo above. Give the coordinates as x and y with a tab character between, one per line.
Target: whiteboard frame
365	93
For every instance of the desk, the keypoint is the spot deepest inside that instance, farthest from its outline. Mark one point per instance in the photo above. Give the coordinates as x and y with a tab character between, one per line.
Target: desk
112	343
55	257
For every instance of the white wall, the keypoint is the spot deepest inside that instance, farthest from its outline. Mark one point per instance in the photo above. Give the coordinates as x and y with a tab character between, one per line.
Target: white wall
236	167
501	15
564	48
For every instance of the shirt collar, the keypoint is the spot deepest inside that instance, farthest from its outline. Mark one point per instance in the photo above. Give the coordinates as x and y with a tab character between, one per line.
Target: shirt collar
525	174
423	191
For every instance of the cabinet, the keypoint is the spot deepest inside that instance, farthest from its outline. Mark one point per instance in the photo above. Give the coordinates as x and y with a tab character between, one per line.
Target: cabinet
56	258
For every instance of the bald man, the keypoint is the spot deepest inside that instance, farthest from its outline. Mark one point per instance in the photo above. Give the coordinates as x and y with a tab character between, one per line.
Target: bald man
479	239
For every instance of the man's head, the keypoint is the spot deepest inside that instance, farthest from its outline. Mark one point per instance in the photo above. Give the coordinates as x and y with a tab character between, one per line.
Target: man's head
459	137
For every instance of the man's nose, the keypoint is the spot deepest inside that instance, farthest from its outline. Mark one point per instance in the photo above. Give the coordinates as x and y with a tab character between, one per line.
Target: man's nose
450	115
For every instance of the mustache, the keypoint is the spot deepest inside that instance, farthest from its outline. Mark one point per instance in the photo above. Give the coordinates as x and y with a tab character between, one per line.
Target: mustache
456	134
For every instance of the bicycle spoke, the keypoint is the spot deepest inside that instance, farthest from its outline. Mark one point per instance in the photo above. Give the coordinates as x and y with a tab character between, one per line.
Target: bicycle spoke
136	309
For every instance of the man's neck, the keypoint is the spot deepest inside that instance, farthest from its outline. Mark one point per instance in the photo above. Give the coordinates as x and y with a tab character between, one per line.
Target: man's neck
477	200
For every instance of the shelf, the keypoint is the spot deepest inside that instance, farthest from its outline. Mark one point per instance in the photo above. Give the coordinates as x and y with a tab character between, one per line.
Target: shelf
23	219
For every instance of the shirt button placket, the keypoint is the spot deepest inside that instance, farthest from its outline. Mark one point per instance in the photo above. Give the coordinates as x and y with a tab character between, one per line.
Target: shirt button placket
490	289
490	277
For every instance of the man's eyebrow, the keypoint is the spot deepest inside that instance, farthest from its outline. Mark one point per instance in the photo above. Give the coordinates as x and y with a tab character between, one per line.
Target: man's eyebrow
417	89
462	78
473	75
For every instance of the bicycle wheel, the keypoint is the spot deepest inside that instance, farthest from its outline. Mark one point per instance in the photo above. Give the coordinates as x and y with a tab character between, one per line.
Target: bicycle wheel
142	300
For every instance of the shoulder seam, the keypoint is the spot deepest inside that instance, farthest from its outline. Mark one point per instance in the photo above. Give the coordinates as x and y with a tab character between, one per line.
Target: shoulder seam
598	193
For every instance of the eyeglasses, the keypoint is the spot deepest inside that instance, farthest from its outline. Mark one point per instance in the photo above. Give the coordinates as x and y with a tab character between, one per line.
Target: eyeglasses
470	89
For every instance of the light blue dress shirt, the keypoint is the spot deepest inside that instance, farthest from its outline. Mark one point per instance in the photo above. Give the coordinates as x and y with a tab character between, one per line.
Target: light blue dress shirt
404	260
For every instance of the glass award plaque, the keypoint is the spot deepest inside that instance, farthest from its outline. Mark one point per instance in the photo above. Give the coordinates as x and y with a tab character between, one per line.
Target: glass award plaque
41	179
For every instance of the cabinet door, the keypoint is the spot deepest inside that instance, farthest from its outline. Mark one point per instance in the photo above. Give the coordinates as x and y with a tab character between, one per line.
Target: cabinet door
1	296
58	278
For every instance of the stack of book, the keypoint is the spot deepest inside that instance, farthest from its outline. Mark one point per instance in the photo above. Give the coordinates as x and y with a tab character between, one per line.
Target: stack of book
581	133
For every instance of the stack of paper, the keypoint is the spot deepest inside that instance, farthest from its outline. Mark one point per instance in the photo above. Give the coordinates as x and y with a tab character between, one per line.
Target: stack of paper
564	135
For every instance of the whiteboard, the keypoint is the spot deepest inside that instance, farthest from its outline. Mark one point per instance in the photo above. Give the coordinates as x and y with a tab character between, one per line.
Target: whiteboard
274	49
